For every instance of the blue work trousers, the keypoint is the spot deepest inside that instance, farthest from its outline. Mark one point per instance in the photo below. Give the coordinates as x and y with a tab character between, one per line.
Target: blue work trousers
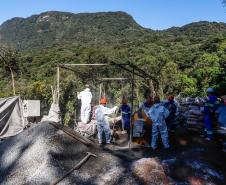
103	128
162	128
208	120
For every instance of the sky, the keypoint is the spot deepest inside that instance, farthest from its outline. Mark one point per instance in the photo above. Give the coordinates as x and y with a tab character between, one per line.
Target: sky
154	14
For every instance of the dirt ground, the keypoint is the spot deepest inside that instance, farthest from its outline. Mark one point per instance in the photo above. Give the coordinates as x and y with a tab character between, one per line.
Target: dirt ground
41	154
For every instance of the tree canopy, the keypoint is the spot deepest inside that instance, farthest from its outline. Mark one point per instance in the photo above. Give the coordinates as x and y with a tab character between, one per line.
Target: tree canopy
183	60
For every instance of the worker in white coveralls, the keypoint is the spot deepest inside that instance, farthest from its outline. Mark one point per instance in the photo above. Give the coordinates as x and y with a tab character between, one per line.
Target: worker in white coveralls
102	122
158	113
86	97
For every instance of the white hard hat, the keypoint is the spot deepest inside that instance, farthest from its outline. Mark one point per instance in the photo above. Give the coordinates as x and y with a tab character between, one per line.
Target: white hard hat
210	90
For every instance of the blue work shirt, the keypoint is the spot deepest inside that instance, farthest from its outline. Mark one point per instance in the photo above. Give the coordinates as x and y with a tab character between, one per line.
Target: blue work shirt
172	108
210	105
158	113
126	113
222	115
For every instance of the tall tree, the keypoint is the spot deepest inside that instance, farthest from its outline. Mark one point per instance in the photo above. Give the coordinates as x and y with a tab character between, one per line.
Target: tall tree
9	61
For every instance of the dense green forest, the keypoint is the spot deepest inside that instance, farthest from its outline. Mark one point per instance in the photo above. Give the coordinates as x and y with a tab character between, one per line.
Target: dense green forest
183	60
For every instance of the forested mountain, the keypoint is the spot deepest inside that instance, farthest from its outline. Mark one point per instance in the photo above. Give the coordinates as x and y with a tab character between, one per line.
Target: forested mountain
184	60
57	27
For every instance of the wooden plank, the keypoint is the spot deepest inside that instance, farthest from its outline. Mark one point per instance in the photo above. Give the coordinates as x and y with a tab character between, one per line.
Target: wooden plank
72	133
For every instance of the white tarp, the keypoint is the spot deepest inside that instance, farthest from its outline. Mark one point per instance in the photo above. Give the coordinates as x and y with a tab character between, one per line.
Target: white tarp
11	116
54	114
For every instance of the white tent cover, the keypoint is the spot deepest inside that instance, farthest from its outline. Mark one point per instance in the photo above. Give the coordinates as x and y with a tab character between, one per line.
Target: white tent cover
11	116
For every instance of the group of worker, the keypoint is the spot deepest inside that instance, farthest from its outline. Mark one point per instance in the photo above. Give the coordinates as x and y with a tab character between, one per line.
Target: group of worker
161	113
163	116
155	110
101	112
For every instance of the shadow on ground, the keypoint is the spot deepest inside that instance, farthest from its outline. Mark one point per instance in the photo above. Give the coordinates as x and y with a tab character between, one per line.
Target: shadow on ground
41	154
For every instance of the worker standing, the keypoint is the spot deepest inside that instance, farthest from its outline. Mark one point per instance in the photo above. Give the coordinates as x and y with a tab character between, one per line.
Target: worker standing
221	111
210	107
126	114
158	113
102	122
172	108
145	106
86	97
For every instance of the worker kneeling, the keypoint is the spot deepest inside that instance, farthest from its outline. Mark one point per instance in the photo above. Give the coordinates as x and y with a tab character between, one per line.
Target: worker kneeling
158	113
102	122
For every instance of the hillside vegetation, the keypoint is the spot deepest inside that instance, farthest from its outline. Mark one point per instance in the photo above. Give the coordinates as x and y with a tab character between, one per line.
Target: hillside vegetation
184	60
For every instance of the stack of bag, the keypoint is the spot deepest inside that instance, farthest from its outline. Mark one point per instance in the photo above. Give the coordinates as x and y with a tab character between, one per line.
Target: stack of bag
192	111
195	117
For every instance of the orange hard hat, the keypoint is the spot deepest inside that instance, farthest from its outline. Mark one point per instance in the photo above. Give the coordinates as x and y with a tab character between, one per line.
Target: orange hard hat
103	101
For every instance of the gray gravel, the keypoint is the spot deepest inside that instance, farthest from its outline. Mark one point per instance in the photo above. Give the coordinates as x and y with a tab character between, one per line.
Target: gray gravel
41	154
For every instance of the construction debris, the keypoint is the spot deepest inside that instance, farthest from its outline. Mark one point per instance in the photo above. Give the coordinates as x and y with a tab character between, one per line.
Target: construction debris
71	133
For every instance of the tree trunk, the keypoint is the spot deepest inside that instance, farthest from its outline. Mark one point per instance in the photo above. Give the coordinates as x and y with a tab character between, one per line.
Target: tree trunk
13	81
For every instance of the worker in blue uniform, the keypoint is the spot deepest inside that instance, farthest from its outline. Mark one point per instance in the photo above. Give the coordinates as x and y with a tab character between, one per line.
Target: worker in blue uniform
126	114
210	107
158	113
172	108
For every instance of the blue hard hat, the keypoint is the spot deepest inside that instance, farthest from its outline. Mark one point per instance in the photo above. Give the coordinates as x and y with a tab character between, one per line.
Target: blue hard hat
210	90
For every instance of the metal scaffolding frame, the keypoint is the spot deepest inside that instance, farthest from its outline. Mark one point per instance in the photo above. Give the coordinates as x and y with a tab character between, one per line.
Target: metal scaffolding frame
128	66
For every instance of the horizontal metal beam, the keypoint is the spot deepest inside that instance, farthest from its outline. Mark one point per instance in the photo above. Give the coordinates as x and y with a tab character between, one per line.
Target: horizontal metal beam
129	70
113	78
70	69
105	79
128	66
119	79
83	64
143	72
90	64
67	68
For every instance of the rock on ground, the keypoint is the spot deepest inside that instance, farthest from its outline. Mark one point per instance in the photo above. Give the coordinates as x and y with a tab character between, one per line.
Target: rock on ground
149	171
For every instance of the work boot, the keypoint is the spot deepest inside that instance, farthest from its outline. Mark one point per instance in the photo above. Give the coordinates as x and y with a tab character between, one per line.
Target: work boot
100	144
167	148
208	139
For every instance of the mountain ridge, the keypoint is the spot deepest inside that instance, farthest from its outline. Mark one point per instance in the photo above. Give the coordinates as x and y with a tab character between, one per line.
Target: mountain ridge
55	27
50	27
184	60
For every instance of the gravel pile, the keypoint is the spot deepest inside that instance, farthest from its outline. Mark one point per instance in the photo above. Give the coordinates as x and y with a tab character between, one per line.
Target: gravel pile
42	154
29	156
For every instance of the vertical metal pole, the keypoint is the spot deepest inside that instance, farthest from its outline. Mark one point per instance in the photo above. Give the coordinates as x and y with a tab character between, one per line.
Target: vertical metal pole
100	95
132	108
13	82
58	85
104	90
